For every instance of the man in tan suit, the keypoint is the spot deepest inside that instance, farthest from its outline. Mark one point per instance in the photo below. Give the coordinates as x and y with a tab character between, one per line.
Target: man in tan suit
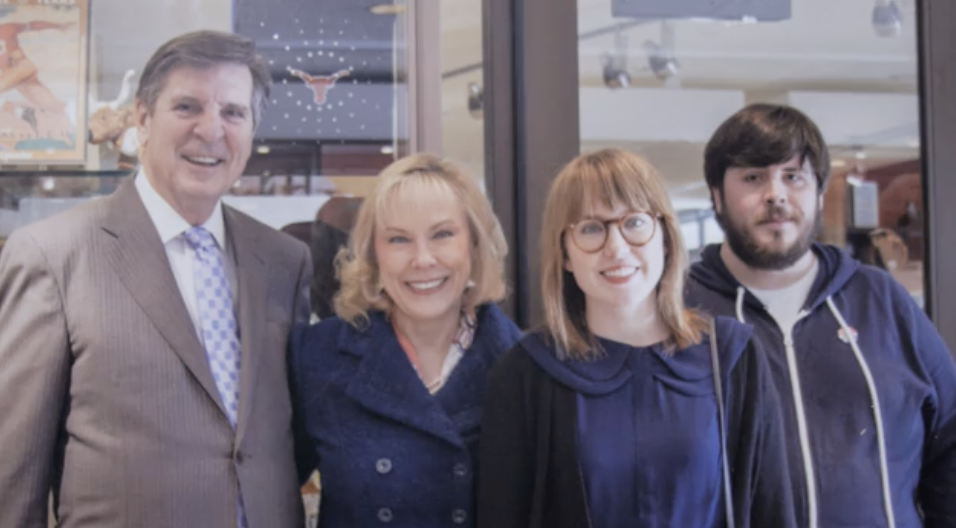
143	335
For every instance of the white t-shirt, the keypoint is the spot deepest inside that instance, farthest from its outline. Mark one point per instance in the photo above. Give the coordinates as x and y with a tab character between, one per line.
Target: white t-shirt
785	304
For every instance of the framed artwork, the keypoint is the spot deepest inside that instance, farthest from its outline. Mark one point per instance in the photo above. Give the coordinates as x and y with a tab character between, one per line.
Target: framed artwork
332	69
43	74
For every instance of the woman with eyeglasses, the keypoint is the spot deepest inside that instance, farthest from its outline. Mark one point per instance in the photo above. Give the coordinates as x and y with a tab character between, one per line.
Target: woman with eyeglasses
611	415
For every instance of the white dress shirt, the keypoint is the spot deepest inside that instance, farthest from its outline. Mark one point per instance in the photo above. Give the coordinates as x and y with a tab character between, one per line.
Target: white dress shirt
171	226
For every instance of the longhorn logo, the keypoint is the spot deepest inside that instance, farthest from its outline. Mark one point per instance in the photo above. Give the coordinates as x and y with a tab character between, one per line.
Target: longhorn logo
320	84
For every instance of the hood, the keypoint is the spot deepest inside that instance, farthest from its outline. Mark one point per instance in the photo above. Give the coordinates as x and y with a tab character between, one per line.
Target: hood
837	267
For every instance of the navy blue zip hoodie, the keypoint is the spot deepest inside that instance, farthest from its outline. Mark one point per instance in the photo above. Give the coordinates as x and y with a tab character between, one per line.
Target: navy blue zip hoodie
868	391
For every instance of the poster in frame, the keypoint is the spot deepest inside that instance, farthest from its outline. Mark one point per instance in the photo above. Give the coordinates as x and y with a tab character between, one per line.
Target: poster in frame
43	74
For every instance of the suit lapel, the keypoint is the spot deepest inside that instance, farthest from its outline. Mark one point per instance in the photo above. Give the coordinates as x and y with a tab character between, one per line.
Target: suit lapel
252	275
138	257
386	384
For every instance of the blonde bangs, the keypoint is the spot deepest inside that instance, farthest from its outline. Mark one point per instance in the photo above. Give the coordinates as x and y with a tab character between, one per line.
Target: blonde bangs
412	191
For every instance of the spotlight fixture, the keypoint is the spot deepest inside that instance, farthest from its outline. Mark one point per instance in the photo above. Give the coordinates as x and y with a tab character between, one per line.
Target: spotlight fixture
660	57
476	101
887	19
615	77
615	66
663	65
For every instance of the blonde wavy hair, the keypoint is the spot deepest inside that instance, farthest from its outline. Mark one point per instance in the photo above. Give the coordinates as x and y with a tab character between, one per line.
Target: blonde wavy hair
609	177
361	291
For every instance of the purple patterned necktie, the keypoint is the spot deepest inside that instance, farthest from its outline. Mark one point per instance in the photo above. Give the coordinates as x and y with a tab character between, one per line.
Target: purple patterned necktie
214	302
218	320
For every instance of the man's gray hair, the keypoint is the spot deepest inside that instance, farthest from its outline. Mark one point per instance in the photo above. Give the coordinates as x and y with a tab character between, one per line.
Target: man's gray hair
203	50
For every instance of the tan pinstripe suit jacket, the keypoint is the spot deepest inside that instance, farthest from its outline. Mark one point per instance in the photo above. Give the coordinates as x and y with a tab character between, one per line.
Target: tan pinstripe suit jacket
106	396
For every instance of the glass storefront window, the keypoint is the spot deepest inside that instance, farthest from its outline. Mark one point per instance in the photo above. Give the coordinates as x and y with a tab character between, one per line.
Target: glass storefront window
657	78
462	100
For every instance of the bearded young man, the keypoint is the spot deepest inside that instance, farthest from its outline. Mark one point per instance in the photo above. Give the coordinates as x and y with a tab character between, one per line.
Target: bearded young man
867	386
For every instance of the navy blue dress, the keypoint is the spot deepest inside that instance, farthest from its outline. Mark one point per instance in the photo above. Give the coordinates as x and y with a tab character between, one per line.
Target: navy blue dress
387	451
650	450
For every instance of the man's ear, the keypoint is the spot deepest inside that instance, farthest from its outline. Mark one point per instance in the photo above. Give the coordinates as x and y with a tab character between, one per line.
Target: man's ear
716	198
142	118
820	202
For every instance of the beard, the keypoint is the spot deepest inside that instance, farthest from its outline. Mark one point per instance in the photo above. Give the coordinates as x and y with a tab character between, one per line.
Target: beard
745	245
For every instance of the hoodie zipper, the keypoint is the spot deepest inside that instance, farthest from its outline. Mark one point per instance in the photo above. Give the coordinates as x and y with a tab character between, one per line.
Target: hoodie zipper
802	429
803	435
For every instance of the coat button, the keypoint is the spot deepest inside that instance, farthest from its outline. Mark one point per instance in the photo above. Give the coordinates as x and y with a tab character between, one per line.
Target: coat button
383	466
461	470
459	516
385	515
239	457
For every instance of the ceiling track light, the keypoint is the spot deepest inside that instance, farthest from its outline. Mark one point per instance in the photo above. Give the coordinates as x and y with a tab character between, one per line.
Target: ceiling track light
615	65
661	58
476	102
887	18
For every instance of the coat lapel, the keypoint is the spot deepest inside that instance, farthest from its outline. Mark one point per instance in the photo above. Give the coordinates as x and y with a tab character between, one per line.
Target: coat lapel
252	274
386	384
136	253
463	396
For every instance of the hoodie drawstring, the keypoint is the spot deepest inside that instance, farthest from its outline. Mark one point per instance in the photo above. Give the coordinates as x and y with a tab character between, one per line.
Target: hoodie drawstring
877	413
740	303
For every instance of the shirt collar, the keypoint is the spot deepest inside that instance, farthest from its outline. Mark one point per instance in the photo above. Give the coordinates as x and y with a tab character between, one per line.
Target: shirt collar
466	332
169	223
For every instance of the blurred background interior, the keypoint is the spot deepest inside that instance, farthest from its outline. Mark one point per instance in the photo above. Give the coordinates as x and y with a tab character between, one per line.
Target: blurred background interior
653	76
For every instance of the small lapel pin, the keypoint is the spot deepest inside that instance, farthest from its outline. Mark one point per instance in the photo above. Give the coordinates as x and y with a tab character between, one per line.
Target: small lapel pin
841	333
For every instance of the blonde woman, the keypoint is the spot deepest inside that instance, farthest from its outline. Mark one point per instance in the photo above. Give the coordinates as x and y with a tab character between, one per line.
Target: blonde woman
389	392
609	416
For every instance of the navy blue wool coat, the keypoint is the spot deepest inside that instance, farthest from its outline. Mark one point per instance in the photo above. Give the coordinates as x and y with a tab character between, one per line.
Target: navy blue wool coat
388	452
